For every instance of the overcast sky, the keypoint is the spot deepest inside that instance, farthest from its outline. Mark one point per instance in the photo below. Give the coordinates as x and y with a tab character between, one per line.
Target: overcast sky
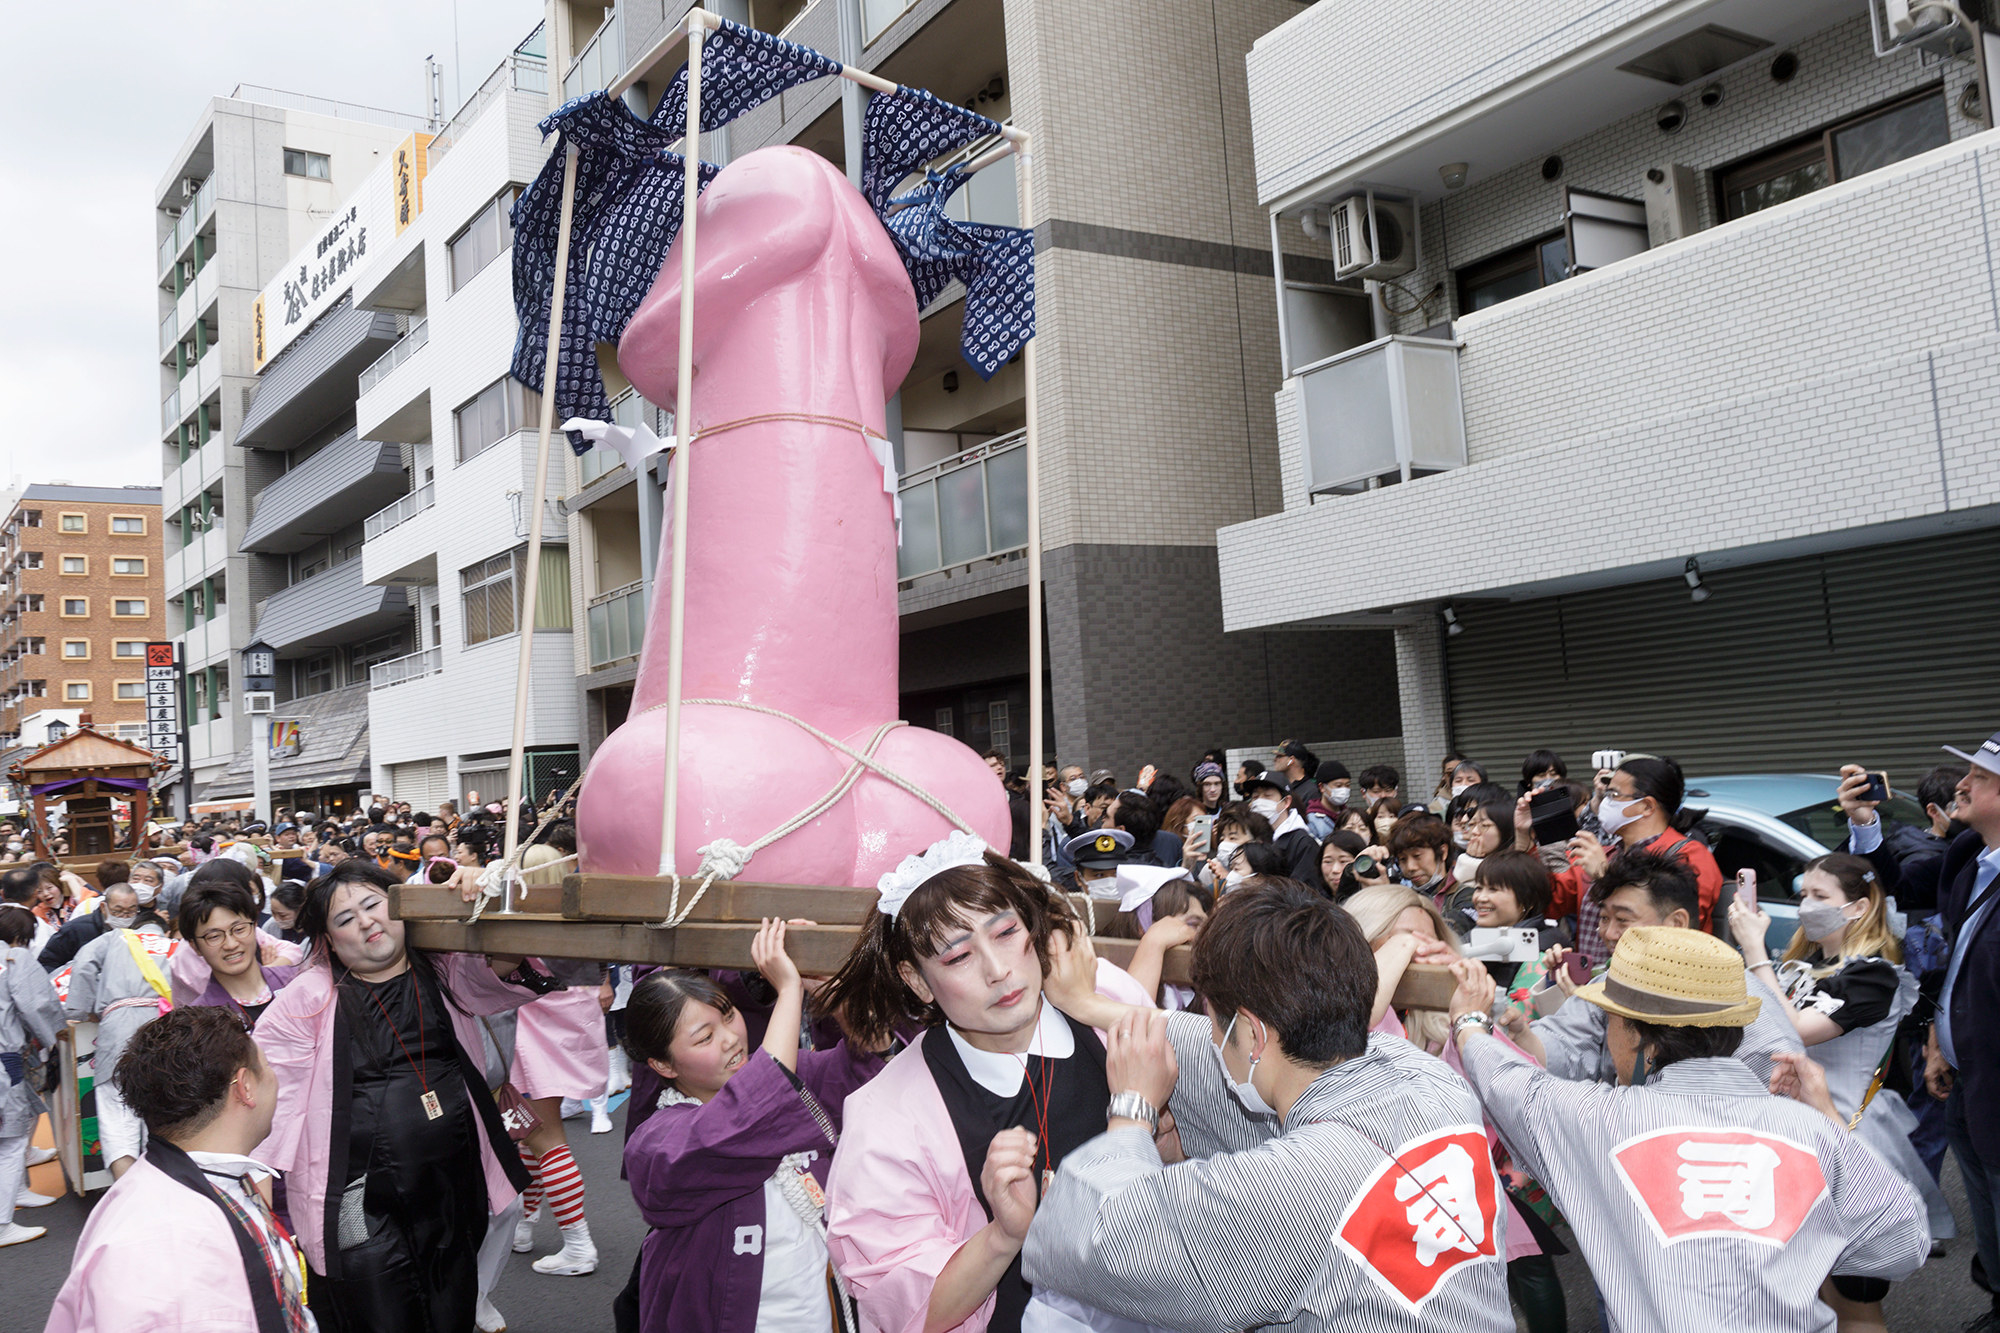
99	99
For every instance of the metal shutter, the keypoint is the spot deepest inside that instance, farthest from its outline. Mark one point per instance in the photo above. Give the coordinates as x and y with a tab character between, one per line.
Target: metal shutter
1873	656
421	782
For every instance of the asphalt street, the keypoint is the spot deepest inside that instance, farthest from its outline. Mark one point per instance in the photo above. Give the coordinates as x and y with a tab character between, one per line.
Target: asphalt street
1940	1298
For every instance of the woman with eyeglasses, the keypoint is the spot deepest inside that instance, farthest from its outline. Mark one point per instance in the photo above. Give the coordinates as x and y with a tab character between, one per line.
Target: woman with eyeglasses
219	917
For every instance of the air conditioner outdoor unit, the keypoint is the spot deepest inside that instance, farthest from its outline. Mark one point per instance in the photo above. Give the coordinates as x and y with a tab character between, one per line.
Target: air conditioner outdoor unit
187	187
1373	238
258	702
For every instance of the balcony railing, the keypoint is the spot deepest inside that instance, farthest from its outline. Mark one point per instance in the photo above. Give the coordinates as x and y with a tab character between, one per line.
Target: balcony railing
169	330
405	348
520	72
395	515
601	60
1387	410
971	506
617	623
399	669
170	410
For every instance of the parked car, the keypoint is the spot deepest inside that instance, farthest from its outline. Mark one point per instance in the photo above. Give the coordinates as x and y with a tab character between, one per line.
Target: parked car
1774	823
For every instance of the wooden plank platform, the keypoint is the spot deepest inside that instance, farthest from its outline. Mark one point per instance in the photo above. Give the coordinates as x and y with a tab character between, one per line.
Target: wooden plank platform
719	933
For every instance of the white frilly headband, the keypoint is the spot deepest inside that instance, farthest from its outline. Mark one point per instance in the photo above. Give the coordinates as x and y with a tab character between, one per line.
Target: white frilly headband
958	848
1137	884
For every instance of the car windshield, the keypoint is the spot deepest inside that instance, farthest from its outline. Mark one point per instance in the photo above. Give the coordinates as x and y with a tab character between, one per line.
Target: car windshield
1826	825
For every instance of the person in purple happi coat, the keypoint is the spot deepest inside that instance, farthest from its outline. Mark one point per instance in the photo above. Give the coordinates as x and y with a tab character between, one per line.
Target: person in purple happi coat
730	1170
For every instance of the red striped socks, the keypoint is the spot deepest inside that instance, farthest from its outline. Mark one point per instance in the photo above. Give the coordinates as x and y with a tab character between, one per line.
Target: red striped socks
563	1183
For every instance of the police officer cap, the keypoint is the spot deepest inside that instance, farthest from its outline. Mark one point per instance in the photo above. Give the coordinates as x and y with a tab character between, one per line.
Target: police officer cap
1100	849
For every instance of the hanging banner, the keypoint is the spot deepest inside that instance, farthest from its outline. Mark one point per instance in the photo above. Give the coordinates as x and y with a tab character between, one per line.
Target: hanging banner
406	175
285	741
163	701
320	273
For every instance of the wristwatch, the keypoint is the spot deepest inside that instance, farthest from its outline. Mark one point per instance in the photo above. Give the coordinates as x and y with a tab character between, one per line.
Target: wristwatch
1484	1022
1131	1106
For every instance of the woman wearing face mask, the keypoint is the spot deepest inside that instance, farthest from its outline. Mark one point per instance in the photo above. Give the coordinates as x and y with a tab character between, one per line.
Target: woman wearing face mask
740	1145
1441	794
1642	808
1235	826
916	1219
120	980
1847	992
393	1151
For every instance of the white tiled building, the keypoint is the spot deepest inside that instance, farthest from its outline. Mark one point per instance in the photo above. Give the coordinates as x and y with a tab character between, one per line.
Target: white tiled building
1782	395
440	718
256	176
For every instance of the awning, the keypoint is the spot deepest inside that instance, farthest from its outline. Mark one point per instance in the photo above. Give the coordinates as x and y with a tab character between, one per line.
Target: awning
314	379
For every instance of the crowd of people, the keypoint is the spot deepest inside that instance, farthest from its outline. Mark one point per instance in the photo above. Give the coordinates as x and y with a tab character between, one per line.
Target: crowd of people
977	1123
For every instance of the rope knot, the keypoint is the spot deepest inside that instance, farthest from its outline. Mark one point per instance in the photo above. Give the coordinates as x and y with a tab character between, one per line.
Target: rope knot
723	859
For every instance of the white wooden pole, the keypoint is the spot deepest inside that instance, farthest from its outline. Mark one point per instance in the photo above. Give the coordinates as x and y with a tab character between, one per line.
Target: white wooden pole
531	579
683	453
1037	821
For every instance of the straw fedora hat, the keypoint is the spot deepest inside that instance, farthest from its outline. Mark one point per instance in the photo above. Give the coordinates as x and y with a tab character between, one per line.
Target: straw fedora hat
1676	978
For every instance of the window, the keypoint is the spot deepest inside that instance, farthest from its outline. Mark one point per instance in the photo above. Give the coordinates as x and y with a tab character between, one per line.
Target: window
486	591
129	606
76	564
129	648
318	674
500	409
75	523
75	607
31	518
313	166
1839	152
75	690
943	720
131	689
133	564
365	655
75	648
134	732
37	645
1513	273
128	524
484	239
31	559
34	601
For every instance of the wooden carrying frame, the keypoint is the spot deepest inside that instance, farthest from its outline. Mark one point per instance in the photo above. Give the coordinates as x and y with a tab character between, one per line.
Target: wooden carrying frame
607	917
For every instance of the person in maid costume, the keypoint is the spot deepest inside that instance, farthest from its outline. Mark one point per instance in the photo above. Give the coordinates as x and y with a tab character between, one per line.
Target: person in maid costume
729	1172
998	1084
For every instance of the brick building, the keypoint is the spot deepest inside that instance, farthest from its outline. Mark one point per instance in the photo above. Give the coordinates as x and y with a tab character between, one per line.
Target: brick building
79	598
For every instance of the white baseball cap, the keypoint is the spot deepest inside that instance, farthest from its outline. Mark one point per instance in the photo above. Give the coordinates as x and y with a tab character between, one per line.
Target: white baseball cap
1986	756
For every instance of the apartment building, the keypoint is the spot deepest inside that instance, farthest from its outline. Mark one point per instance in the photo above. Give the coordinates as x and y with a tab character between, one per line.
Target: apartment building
258	175
1651	406
450	544
1157	359
80	586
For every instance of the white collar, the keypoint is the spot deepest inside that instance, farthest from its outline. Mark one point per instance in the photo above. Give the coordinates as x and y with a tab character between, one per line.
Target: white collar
1000	1073
230	1164
1291	821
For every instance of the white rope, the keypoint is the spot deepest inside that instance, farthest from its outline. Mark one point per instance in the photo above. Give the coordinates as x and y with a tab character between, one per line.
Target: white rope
497	880
726	859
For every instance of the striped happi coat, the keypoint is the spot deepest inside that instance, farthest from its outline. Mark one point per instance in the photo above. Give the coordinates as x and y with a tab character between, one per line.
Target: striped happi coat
1317	1228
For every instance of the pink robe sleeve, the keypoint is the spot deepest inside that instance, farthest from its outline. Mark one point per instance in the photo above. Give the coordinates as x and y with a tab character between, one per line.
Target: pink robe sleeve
899	1203
288	1037
473	984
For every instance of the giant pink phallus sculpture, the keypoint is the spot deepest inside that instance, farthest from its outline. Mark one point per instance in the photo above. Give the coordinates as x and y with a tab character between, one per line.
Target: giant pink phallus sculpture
802	310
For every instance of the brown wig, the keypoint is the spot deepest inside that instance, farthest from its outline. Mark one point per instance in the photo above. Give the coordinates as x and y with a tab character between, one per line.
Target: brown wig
869	993
1172	900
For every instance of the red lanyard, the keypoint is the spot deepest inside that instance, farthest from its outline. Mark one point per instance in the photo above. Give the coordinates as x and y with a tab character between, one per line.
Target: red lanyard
1040	1099
422	1082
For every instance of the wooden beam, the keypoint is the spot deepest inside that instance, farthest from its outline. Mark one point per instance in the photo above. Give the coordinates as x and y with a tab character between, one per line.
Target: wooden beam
439	902
644	898
818	950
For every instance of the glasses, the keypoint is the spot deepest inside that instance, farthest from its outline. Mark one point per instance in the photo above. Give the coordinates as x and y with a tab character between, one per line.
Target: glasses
239	932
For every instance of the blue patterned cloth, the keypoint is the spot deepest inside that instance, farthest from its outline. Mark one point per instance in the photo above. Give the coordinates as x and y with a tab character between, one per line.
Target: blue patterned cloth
900	133
741	68
626	213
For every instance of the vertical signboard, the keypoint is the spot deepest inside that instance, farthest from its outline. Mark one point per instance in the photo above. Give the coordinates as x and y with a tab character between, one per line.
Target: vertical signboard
406	179
163	702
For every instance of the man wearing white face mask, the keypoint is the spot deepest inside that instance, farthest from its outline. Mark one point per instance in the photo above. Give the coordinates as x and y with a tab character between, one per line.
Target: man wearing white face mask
1378	1209
1298	850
